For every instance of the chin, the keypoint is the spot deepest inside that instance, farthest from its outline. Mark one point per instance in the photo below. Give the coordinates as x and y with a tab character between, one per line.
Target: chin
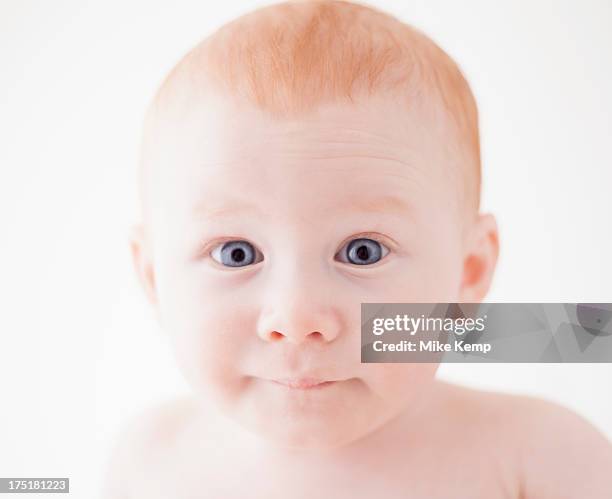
311	430
319	436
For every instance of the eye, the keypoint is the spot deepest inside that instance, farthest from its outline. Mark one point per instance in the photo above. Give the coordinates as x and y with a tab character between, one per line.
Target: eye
234	254
362	251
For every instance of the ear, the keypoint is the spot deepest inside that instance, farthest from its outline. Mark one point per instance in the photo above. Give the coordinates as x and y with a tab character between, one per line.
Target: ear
143	261
480	259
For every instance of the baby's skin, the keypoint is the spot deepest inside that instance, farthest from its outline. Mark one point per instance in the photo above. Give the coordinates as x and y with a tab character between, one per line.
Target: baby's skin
261	238
459	443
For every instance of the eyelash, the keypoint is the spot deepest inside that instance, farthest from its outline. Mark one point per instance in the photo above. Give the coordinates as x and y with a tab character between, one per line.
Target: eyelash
368	235
385	241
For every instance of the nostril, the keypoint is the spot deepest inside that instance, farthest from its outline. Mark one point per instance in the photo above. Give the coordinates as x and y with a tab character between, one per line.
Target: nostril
275	335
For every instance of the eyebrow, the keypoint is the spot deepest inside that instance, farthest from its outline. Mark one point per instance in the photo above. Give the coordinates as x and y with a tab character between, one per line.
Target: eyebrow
230	209
382	204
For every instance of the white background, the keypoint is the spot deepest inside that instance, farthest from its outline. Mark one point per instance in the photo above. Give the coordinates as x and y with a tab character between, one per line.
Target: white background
79	349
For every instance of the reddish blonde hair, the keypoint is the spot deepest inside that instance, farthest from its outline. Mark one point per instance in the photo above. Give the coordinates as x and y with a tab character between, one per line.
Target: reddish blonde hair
288	58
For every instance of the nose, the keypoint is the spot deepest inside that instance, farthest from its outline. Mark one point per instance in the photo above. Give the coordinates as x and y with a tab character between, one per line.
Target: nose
297	307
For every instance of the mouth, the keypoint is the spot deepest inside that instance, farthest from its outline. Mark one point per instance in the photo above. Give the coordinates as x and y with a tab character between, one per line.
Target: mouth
304	383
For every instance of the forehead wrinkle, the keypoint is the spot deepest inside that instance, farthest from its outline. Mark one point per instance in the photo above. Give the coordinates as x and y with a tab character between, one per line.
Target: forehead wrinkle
337	138
359	195
336	133
237	151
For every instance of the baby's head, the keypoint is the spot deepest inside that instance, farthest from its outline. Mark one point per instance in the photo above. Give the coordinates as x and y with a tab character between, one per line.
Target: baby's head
303	159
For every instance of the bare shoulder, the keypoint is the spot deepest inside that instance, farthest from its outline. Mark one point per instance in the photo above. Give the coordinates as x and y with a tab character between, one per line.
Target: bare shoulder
149	433
564	455
559	454
480	404
157	427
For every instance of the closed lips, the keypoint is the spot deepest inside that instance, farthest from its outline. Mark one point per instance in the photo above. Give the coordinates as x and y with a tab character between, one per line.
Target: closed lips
303	383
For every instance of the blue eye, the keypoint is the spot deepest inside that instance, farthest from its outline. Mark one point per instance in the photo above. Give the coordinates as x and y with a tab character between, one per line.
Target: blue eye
363	251
234	253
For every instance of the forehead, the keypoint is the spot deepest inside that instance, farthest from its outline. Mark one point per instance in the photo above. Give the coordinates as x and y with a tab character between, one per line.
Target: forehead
374	155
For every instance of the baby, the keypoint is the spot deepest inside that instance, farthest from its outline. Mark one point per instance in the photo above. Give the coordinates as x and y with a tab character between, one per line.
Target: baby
305	158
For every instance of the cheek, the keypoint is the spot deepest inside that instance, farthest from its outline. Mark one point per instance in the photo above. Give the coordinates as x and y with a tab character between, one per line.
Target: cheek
430	276
437	272
440	279
209	353
209	332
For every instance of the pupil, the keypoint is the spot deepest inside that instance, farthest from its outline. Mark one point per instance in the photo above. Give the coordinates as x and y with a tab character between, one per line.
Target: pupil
362	252
238	254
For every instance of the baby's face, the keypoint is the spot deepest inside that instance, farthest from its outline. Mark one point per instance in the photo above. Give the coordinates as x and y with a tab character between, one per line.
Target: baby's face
266	238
